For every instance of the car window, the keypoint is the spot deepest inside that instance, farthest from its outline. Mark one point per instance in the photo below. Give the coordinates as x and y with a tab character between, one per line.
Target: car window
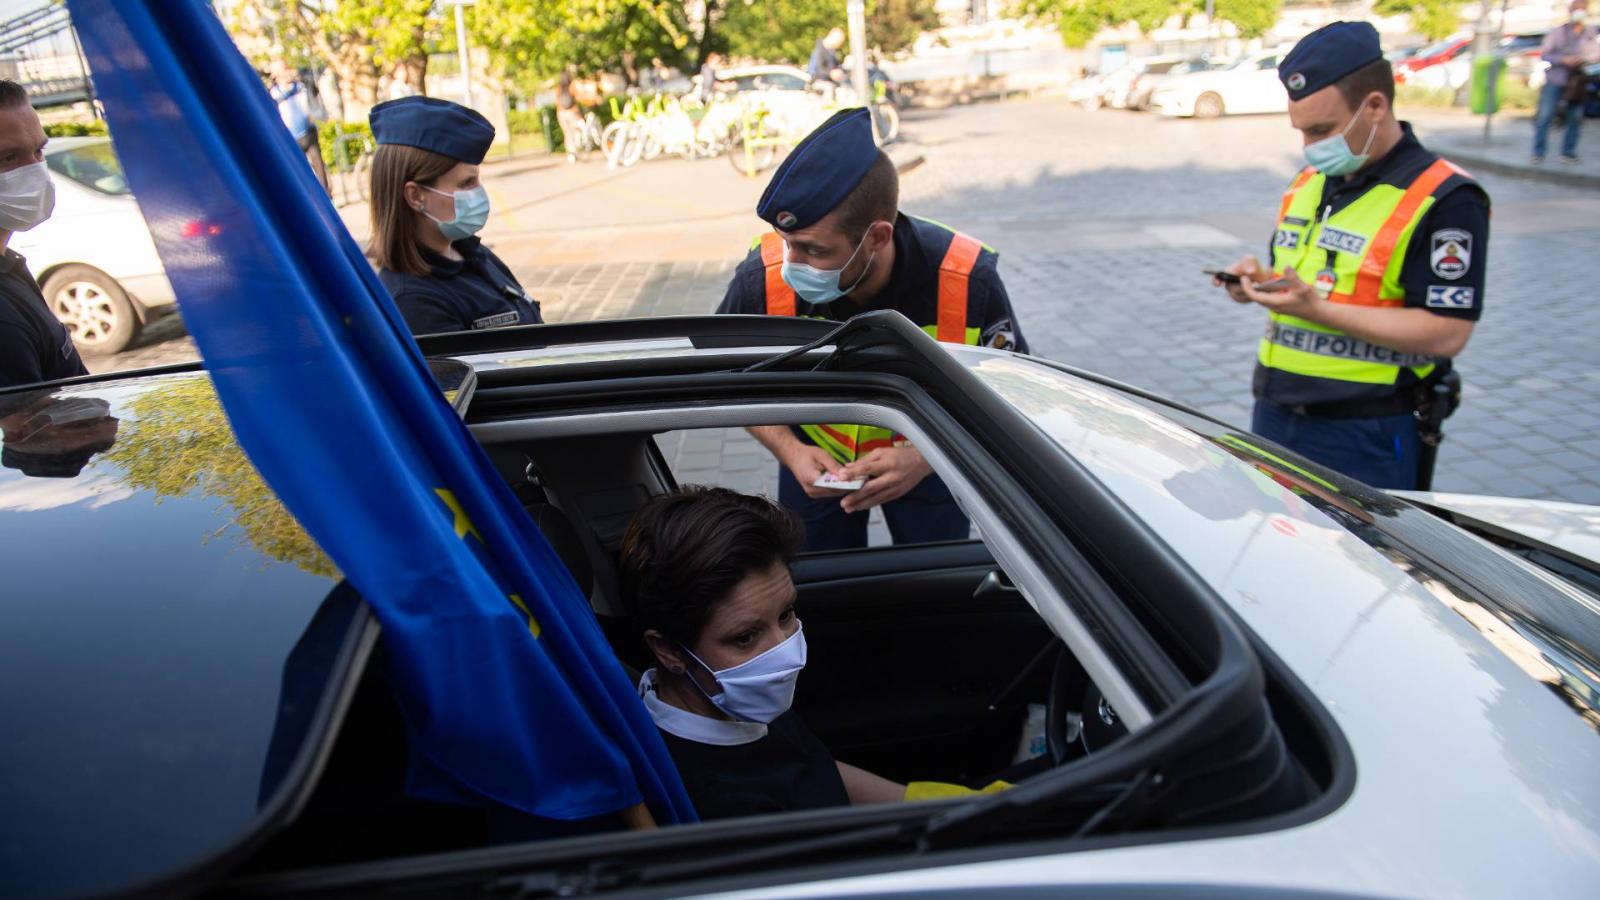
784	82
731	458
95	166
1267	62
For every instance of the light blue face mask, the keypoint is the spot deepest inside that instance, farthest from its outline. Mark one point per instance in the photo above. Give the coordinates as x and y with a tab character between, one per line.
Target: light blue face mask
818	286
472	212
1332	155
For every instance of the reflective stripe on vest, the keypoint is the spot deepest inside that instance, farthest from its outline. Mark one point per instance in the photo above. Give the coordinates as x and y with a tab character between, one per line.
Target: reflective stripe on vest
1368	238
780	297
850	442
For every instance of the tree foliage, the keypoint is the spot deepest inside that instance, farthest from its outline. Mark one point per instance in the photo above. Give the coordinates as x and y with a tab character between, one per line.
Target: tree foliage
1432	19
359	40
1080	20
787	30
532	40
179	443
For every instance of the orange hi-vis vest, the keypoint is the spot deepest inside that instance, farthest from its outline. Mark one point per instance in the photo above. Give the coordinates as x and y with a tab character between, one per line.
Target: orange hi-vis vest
848	443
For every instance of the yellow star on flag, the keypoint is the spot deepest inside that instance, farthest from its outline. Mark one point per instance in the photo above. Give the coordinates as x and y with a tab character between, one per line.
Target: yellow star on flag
533	624
463	525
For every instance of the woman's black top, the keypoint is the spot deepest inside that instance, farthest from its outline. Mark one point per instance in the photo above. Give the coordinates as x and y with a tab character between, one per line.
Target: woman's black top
787	770
474	292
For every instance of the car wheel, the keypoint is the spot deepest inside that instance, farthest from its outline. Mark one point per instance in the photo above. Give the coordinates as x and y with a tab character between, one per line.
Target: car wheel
94	308
1207	106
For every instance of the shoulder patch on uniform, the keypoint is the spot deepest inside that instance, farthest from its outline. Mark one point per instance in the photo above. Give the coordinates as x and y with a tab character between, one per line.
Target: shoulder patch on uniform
1452	253
1449	296
1000	335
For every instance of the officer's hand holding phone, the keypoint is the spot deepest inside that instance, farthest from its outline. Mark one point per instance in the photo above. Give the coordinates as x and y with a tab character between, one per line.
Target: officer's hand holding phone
1246	274
1284	293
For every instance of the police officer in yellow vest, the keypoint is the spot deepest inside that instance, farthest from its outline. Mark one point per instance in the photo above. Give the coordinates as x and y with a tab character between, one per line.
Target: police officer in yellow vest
1377	268
840	246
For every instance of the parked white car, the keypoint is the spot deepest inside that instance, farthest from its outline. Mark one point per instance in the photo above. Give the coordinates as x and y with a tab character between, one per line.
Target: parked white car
94	257
1250	85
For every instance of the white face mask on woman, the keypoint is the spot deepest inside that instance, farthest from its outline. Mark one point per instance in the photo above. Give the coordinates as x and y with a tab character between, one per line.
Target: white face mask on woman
27	197
759	689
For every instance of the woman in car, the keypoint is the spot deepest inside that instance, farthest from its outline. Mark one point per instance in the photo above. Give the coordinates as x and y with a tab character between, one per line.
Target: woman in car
706	571
427	209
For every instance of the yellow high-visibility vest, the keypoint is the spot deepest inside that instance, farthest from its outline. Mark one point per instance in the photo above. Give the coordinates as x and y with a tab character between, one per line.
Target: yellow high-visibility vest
1368	241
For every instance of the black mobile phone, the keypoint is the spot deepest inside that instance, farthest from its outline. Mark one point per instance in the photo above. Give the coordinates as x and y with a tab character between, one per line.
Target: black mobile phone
1224	277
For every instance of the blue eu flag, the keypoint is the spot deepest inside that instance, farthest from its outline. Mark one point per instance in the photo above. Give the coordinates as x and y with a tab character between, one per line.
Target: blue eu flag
510	693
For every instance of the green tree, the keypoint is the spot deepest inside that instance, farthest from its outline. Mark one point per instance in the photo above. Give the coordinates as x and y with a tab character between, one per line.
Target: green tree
358	40
178	443
1080	20
1253	18
894	25
1432	19
787	30
532	40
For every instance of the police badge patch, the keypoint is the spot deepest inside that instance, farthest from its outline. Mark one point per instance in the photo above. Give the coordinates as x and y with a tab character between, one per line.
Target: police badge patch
1452	253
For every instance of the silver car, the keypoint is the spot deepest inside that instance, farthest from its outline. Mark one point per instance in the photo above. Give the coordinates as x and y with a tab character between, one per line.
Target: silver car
1233	672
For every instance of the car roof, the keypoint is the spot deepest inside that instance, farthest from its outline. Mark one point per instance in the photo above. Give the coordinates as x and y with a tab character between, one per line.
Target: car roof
163	669
159	605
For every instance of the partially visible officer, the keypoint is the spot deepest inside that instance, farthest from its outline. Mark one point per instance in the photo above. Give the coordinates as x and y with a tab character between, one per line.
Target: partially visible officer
840	246
34	345
427	208
1381	248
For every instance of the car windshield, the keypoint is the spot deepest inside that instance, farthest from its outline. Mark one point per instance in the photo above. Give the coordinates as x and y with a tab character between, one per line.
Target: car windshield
95	166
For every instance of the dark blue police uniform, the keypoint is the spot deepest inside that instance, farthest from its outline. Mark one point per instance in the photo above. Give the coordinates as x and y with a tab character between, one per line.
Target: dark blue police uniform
962	302
478	290
1360	425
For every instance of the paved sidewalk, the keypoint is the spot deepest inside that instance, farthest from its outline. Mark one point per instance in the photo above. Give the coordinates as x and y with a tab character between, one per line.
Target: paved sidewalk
1509	150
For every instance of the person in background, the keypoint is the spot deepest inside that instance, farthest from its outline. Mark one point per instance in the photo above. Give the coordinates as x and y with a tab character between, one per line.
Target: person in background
34	345
427	209
824	64
295	108
707	86
1567	49
568	116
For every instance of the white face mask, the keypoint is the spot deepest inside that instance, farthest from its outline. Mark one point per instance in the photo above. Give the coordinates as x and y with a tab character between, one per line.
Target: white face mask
27	197
759	689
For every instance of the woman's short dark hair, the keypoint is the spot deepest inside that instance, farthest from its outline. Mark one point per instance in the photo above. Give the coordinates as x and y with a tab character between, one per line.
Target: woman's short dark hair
685	551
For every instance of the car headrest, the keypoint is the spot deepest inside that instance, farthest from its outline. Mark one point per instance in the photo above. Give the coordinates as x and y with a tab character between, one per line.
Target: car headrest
563	538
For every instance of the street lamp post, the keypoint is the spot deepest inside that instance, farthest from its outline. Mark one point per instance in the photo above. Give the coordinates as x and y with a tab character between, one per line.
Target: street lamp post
461	47
856	15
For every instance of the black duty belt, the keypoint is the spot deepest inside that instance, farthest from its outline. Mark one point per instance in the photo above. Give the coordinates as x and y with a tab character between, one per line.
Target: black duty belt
1364	408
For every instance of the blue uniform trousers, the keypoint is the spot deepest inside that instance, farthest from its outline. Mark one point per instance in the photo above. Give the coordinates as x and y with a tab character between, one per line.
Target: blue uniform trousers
926	513
1381	451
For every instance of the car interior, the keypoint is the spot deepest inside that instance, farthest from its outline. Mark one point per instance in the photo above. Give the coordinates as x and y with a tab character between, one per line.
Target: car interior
936	662
934	632
925	662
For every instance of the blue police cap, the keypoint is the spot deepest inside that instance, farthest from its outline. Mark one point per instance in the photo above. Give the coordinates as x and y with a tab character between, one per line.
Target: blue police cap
1328	54
431	124
820	171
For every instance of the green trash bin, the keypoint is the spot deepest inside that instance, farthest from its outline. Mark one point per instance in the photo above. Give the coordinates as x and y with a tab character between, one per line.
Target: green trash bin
1486	71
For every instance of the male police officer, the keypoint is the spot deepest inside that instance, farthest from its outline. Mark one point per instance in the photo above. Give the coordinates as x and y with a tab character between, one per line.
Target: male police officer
1380	254
841	247
33	344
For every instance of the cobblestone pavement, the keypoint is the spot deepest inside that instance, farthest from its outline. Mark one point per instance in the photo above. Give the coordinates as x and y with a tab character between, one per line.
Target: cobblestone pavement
1104	221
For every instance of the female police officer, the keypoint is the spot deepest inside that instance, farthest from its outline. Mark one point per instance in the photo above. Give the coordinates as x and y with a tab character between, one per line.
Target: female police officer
427	208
